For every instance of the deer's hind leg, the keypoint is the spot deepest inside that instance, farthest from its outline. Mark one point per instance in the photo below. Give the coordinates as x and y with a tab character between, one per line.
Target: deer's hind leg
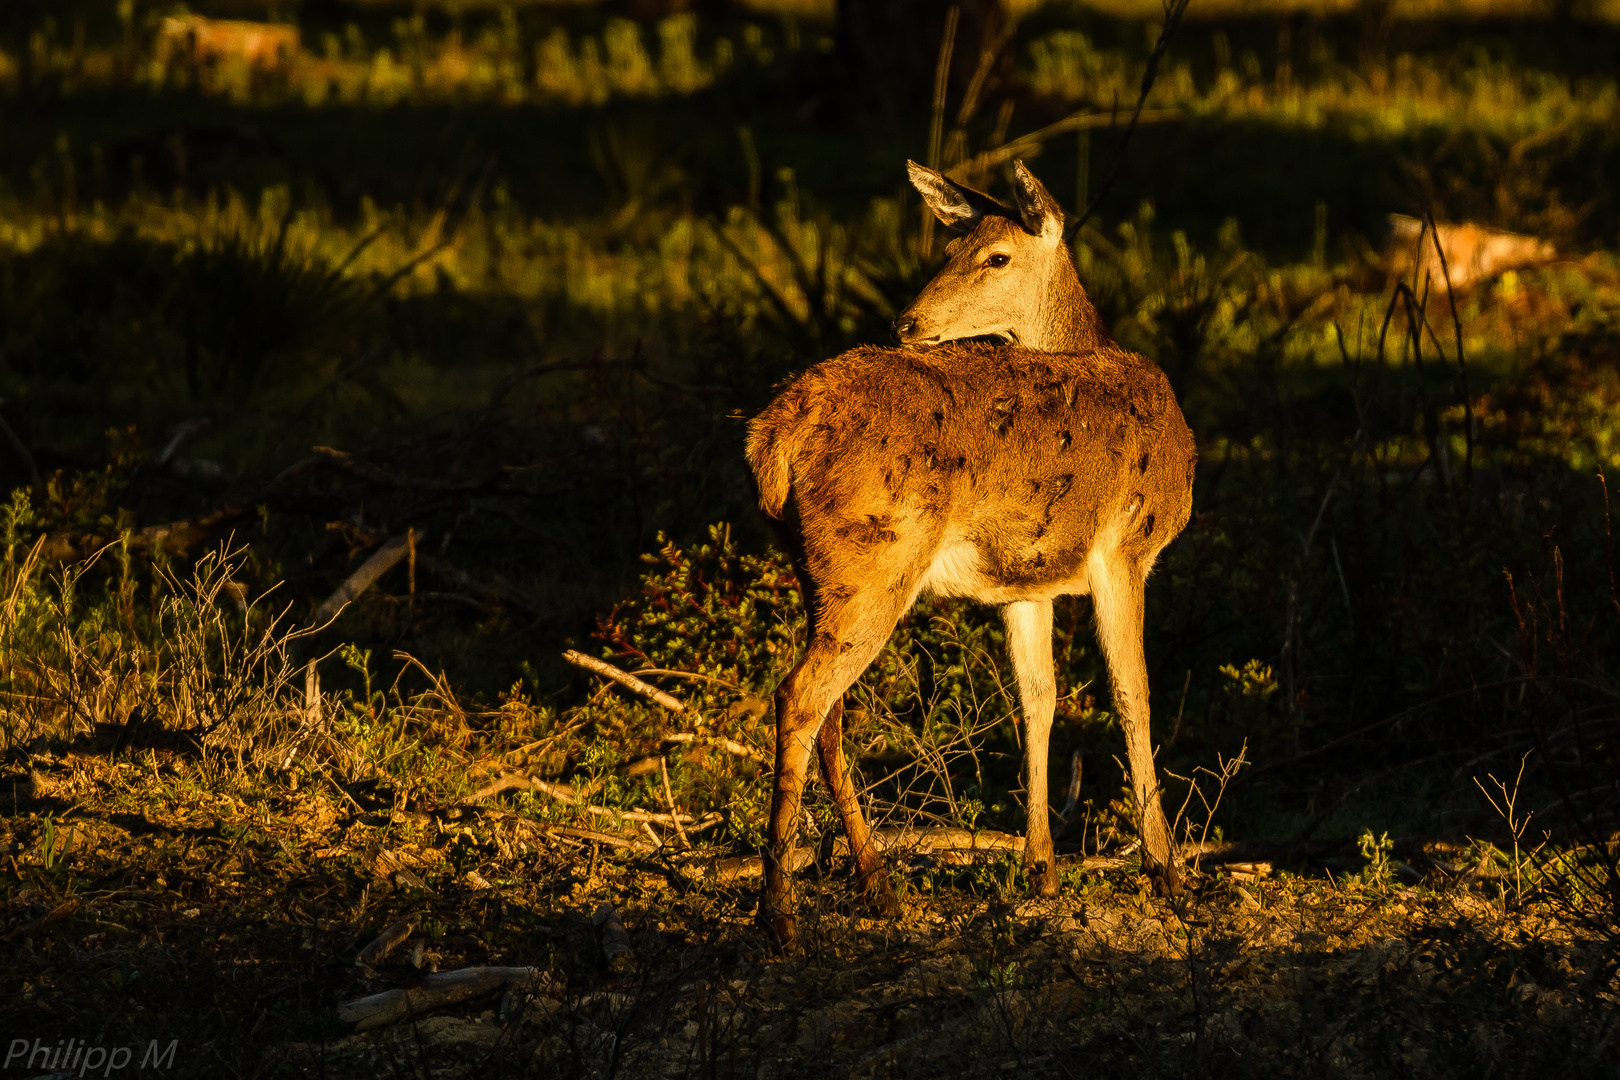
846	634
1029	640
869	877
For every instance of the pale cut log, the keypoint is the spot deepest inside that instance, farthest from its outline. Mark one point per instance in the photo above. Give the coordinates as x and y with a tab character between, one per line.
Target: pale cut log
624	679
389	940
436	991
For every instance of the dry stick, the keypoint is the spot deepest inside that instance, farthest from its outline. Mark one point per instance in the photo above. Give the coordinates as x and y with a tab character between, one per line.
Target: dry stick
1173	11
1462	370
628	681
1073	803
176	537
382	560
669	797
673	674
1080	121
936	124
389	940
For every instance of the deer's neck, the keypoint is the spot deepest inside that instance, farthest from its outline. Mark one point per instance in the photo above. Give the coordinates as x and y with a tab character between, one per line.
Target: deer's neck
1067	321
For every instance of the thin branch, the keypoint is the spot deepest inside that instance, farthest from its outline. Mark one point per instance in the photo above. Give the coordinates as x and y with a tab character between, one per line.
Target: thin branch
1173	11
1025	143
669	797
625	679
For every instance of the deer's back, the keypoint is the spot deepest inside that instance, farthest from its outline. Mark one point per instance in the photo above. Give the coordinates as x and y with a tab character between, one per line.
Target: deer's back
1017	460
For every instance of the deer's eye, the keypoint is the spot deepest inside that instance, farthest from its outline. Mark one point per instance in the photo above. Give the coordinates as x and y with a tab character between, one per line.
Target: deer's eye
997	261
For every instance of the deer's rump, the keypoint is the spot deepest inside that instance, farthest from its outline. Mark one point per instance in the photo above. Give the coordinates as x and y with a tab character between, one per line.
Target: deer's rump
1022	459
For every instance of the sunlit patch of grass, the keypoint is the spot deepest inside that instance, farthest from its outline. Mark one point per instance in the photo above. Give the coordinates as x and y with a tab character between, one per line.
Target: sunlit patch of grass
1408	95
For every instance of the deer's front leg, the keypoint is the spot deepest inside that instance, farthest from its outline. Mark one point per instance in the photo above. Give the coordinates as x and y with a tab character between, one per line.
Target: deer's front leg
1029	640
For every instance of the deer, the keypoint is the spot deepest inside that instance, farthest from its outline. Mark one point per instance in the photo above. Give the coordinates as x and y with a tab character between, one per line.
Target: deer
1038	461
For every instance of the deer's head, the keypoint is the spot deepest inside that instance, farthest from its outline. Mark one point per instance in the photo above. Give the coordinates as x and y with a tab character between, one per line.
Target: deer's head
1008	274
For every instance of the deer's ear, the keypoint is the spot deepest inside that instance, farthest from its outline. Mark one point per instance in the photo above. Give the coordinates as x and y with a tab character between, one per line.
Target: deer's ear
957	206
1040	212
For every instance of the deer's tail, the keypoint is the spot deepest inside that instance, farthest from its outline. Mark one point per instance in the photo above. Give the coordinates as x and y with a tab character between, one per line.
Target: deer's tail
775	438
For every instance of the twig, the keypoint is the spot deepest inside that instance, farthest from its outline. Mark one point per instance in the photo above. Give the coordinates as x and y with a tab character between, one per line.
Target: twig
1173	11
628	681
673	674
1462	370
1073	802
936	122
669	797
1079	121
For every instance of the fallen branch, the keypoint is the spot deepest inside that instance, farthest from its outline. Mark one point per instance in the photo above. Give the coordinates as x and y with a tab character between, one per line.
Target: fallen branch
175	537
389	940
600	837
625	679
674	814
436	991
1173	12
382	560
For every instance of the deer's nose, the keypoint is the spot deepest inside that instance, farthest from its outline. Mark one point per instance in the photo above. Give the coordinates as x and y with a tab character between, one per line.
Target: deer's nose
904	326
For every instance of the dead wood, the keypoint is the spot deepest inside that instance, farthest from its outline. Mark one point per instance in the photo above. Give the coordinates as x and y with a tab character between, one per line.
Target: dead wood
436	991
624	679
510	781
176	537
615	942
495	591
382	560
389	940
674	814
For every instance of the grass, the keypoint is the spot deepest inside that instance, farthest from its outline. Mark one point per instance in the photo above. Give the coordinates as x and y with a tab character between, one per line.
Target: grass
433	284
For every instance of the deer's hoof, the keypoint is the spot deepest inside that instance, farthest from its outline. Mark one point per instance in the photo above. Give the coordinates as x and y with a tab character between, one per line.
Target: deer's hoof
1043	878
1044	885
